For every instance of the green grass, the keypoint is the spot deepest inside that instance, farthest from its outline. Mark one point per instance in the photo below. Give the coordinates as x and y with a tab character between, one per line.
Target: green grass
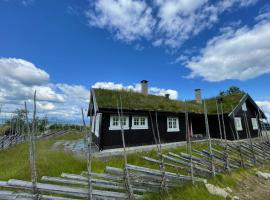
14	164
134	100
198	191
186	192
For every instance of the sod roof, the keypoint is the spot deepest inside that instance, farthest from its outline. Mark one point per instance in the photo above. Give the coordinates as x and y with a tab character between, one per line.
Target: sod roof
137	101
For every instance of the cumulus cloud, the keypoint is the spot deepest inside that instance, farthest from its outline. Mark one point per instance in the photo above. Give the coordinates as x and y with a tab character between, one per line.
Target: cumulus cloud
20	78
136	88
237	54
127	19
265	106
22	71
164	22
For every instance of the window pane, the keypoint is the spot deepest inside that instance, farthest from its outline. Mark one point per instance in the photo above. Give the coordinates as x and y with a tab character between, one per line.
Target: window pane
238	123
115	121
254	123
172	124
123	121
136	121
142	121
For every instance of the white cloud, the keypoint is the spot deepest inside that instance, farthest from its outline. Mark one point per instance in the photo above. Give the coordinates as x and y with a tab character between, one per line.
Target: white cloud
237	54
22	71
19	80
27	2
108	85
127	19
164	22
264	14
74	91
136	88
265	106
45	106
161	92
57	101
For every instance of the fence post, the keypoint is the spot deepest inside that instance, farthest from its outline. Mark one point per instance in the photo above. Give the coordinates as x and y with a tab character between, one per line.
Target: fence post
2	143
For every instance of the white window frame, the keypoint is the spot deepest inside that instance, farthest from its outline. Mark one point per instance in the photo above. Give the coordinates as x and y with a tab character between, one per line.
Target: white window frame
93	124
238	123
173	129
97	123
118	126
254	123
139	125
244	107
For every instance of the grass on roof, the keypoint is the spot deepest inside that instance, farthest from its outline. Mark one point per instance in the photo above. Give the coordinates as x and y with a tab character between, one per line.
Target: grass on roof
137	101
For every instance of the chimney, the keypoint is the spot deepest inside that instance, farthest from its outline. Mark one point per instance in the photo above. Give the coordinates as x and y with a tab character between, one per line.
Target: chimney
198	95
167	96
144	87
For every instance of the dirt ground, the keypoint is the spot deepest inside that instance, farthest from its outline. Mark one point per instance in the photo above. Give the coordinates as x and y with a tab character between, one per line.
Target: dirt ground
253	188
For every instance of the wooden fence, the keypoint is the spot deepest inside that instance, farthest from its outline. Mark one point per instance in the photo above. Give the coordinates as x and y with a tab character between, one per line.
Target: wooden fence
8	141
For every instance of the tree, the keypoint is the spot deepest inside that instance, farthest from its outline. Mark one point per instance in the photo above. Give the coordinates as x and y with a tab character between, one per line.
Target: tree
234	90
231	90
17	122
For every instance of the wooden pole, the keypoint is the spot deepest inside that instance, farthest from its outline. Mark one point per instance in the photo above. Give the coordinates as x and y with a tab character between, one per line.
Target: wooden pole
260	135
227	167
238	141
223	123
249	136
32	149
162	166
89	159
209	138
261	138
126	173
11	125
219	124
267	130
153	131
263	126
189	145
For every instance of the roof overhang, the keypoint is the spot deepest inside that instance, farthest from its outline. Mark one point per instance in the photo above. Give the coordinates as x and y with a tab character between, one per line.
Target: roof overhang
242	101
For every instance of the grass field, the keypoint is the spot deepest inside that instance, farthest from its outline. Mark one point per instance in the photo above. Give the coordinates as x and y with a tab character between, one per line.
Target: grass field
14	164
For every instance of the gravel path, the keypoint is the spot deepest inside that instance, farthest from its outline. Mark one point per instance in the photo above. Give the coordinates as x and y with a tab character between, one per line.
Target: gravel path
253	188
77	147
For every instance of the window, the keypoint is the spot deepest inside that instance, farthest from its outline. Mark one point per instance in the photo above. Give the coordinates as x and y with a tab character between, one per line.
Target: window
238	123
97	125
115	122
172	124
244	107
139	122
254	123
93	123
96	120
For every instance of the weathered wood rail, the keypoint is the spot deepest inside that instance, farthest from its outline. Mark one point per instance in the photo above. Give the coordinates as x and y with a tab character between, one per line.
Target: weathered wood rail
111	184
9	141
130	182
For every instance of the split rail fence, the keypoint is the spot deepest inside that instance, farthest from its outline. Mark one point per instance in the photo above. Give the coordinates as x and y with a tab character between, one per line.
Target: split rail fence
8	141
132	181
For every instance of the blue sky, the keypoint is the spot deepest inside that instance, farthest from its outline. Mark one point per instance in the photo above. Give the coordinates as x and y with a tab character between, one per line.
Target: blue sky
178	45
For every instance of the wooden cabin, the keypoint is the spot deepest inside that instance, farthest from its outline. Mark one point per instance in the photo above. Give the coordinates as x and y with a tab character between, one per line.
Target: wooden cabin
145	115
